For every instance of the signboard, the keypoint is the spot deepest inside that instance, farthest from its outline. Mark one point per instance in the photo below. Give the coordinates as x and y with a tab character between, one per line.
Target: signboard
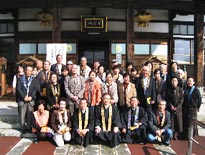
54	49
119	58
93	24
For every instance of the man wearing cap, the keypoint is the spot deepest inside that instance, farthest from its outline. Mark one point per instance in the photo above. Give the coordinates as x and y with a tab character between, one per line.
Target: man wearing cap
69	66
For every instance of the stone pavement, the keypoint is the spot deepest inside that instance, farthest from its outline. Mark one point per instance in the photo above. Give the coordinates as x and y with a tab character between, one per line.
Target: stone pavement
9	126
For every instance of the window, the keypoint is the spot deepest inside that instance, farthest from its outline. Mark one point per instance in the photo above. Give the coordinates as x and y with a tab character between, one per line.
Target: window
182	51
40	48
6	28
118	48
183	29
141	49
27	48
151	49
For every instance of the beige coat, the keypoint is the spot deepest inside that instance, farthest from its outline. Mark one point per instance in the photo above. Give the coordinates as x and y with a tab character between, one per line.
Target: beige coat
130	92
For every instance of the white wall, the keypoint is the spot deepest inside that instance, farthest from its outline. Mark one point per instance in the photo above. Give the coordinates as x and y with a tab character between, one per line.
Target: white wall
6	16
153	27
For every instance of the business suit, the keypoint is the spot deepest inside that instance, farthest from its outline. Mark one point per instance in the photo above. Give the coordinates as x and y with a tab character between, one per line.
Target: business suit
25	107
146	95
138	134
54	68
74	86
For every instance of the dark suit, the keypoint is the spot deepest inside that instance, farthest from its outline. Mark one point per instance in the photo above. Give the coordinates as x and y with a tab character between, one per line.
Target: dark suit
25	108
89	135
55	70
144	96
154	126
138	134
175	97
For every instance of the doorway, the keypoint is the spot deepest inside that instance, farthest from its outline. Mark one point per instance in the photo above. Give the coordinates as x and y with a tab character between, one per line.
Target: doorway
95	51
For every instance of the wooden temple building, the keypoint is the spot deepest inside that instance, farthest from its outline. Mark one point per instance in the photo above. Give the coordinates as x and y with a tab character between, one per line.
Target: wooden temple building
130	30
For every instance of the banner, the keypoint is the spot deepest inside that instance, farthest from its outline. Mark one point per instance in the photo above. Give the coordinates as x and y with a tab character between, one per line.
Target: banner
54	49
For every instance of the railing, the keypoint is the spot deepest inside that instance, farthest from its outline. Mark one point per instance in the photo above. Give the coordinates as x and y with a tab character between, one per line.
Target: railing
190	135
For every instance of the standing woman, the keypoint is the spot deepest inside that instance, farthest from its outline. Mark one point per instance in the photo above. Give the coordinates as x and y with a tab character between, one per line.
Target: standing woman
61	123
175	99
110	87
53	92
92	91
192	103
17	76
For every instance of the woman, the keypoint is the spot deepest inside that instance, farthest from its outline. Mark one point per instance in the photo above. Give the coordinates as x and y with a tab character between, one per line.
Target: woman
53	92
110	87
126	90
92	91
40	120
160	86
175	99
19	73
101	76
61	123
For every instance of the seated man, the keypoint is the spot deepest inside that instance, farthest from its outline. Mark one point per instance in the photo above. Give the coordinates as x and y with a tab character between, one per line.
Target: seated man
107	122
61	123
134	123
159	125
40	122
83	123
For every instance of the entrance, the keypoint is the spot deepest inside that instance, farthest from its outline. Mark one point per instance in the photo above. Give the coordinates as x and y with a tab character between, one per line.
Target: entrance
95	51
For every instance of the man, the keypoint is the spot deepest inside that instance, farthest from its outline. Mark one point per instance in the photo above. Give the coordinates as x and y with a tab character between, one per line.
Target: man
84	69
74	87
56	68
134	123
159	125
69	66
44	78
83	124
107	122
27	87
146	90
39	65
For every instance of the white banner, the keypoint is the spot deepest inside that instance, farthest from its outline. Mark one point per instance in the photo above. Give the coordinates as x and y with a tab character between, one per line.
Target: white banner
54	49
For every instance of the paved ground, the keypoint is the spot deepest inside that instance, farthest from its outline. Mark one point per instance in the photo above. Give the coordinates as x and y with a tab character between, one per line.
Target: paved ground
12	144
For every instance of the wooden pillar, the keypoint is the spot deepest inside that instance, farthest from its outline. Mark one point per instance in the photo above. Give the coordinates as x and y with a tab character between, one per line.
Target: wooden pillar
199	48
130	34
56	33
172	15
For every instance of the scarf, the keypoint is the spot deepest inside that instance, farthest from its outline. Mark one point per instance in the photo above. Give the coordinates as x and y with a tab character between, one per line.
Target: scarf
80	123
109	118
56	93
160	122
65	117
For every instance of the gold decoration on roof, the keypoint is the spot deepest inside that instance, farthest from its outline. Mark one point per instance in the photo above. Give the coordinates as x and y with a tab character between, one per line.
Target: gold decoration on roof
45	17
143	18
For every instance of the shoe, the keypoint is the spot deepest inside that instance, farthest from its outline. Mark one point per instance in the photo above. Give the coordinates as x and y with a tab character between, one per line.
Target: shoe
167	144
35	141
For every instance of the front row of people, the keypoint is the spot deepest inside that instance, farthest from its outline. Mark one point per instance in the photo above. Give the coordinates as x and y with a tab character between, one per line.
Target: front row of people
103	124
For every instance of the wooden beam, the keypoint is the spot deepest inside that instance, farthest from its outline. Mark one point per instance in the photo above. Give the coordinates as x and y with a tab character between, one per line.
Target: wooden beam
199	48
56	33
130	34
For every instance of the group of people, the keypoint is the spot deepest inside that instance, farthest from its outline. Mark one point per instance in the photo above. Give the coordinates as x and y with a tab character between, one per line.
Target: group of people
87	105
